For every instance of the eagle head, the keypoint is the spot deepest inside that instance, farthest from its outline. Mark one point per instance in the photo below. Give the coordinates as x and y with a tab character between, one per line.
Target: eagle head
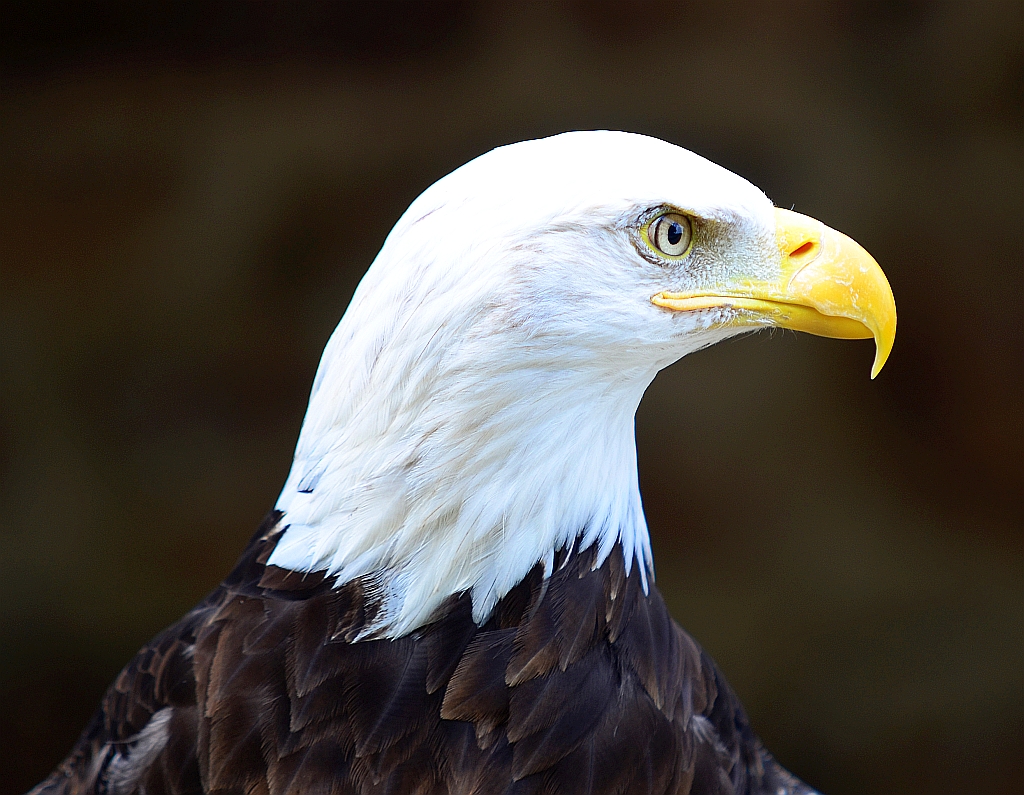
473	411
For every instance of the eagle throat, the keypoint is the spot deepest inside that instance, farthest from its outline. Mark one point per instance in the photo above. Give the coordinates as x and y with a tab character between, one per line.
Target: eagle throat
468	496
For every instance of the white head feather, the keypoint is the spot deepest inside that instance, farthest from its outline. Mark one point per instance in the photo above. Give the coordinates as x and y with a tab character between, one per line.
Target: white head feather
473	410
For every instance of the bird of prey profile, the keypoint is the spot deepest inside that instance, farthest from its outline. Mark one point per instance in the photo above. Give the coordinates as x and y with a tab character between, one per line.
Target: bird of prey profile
455	592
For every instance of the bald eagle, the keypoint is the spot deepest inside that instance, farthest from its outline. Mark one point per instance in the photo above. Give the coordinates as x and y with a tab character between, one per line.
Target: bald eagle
455	592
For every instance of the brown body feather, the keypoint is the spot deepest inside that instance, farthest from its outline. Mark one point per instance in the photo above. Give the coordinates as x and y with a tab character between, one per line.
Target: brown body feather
580	684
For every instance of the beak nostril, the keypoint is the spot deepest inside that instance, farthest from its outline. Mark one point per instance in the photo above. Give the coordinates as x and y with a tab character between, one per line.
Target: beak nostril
805	251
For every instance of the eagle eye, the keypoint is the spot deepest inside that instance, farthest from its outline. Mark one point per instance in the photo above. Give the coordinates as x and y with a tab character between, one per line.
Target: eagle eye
670	234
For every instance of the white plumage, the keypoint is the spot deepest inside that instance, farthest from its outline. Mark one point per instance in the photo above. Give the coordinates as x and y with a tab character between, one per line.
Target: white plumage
473	411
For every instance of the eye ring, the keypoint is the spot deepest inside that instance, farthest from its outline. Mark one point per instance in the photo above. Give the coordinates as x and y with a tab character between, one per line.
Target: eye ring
669	234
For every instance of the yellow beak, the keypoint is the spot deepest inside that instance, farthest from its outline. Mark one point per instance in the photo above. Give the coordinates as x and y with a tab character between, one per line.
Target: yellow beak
828	285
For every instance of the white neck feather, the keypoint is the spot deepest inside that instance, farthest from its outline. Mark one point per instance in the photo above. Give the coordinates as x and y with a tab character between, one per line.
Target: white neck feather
430	515
462	479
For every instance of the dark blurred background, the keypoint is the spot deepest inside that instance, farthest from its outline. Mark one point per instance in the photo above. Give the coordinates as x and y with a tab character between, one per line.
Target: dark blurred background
191	191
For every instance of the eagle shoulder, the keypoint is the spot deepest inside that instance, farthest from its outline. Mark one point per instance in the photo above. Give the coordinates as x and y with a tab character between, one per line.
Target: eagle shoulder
579	681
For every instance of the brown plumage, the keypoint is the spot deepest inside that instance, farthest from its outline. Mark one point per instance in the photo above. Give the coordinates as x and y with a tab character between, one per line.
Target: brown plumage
578	684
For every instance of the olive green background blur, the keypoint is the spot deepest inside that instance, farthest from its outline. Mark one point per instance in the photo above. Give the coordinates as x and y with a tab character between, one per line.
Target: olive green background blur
190	192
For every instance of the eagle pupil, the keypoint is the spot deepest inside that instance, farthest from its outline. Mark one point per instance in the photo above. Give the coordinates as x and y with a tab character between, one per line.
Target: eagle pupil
675	233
